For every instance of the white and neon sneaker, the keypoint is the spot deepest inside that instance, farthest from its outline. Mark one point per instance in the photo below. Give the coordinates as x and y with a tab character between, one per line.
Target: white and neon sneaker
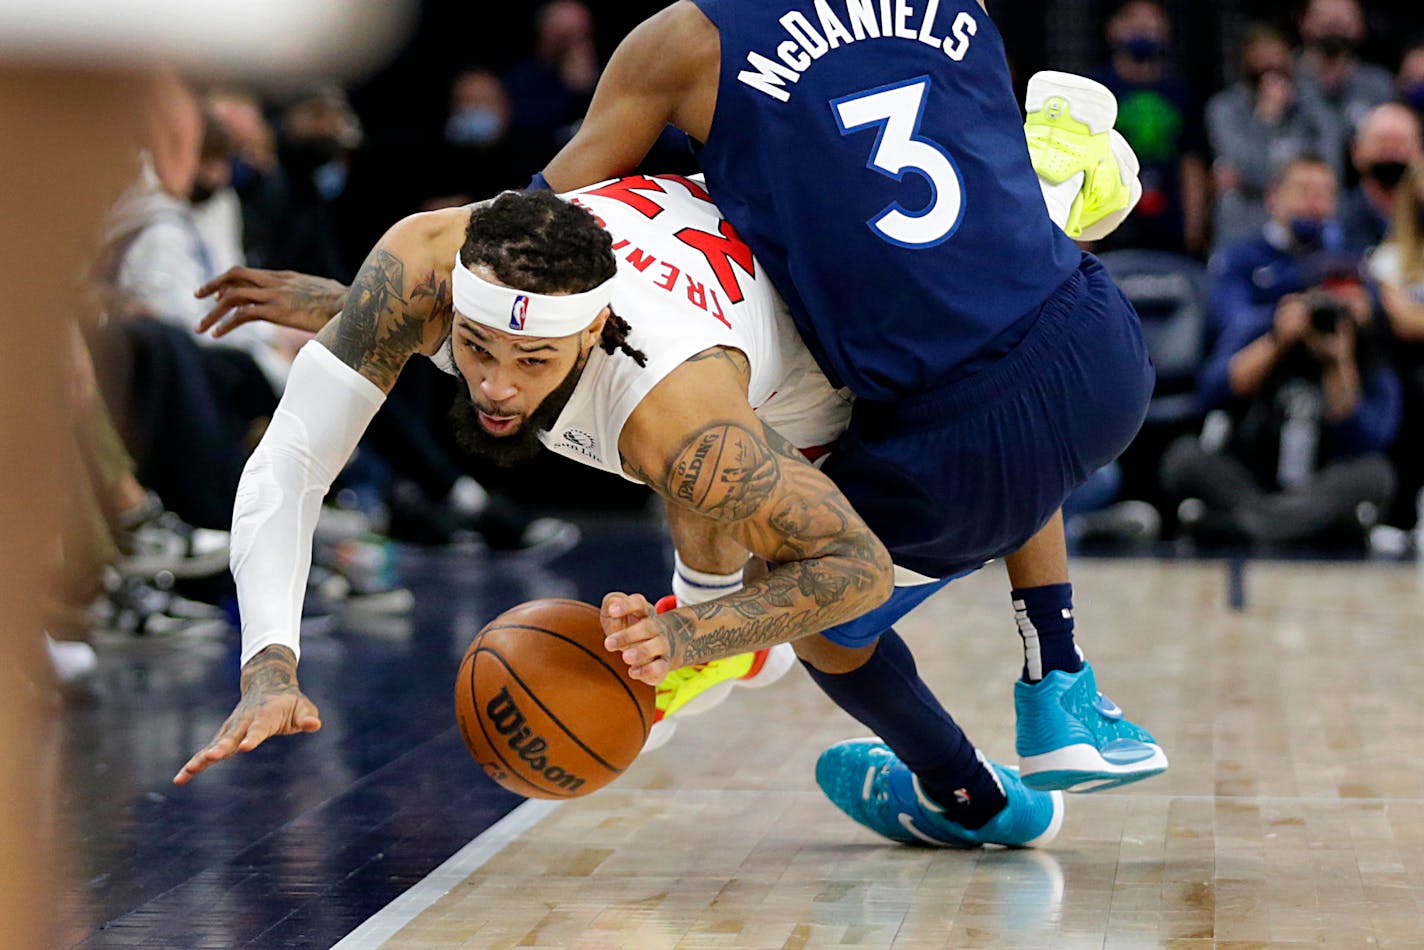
1072	737
1087	170
695	689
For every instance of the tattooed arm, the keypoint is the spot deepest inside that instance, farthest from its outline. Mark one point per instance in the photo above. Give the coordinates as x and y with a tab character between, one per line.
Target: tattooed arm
399	304
695	440
303	302
283	297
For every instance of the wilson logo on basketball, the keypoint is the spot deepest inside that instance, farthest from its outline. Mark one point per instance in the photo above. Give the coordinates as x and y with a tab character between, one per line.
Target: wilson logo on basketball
509	722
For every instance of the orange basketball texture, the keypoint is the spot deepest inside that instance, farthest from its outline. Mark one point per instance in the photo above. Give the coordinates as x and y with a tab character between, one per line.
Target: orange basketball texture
545	710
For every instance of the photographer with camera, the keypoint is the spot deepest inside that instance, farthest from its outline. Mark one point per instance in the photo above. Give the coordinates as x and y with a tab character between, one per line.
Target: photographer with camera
1308	404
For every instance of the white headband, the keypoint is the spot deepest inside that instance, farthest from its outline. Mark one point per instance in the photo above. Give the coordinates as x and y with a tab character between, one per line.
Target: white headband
522	313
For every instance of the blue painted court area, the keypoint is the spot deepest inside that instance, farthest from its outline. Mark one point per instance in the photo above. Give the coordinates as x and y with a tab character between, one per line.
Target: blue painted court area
297	843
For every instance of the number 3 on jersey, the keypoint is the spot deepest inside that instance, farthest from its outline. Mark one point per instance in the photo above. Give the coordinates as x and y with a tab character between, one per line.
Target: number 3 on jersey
897	110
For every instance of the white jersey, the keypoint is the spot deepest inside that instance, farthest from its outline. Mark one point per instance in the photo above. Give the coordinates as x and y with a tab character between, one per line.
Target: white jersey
686	282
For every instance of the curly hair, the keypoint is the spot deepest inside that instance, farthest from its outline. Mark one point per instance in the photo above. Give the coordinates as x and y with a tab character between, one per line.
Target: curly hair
538	242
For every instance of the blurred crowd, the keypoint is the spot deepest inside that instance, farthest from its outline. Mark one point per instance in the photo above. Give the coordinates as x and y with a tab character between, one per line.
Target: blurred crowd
164	417
1291	378
1277	258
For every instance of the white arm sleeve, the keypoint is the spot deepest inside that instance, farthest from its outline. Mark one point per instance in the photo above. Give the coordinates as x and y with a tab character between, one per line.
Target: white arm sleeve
326	407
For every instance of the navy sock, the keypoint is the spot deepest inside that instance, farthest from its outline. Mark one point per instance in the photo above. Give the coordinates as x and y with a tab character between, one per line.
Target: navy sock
888	695
1045	619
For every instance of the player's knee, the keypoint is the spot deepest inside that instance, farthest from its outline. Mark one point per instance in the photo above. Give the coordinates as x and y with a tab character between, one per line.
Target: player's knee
827	656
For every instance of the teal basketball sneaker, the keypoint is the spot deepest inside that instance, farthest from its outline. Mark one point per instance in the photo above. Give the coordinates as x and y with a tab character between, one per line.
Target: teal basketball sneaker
868	782
1072	737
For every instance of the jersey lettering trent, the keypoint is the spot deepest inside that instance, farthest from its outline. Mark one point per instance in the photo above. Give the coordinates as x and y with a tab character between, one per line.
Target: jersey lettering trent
686	282
872	154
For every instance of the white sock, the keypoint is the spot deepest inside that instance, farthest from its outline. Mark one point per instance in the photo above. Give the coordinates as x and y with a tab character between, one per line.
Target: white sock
697	587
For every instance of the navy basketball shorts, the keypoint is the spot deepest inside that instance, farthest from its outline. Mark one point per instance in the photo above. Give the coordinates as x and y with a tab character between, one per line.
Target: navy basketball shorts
956	477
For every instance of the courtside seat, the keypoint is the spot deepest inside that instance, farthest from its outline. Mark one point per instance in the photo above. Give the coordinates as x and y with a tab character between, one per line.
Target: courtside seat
1169	292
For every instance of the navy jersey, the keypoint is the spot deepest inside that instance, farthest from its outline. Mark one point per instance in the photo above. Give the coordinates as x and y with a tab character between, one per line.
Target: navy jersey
872	154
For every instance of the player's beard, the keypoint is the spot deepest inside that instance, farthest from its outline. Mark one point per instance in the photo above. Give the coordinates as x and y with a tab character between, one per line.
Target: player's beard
523	444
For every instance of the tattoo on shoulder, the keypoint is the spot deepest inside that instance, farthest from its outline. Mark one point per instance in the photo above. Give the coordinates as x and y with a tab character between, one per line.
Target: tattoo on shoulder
735	358
781	445
436	290
726	471
379	327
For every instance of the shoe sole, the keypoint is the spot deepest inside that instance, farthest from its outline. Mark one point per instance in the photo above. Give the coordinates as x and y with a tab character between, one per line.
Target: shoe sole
660	735
1081	768
192	631
1055	824
205	565
780	659
561	540
396	601
1089	102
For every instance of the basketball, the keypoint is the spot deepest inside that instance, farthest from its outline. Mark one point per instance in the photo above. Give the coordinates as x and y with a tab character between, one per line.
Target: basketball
545	710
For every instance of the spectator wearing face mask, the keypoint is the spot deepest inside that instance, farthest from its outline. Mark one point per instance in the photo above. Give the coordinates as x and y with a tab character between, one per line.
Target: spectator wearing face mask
1331	71
1410	79
1309	404
1387	141
1255	127
317	134
1257	271
551	90
1161	119
154	252
476	155
217	210
256	174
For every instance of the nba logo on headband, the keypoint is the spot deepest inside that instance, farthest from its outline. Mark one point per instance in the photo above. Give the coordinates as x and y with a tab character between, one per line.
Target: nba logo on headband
510	310
519	312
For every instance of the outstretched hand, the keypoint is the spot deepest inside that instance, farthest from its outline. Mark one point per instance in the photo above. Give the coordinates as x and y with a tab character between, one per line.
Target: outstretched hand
282	297
271	705
632	631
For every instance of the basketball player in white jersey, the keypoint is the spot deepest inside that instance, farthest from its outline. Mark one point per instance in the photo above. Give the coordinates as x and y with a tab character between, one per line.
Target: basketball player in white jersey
696	395
706	397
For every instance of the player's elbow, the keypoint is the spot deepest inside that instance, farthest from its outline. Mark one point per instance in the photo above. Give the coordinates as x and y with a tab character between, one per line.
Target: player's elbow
877	570
885	575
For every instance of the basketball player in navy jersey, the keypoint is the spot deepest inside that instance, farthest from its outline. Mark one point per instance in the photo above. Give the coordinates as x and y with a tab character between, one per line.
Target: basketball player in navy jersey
872	154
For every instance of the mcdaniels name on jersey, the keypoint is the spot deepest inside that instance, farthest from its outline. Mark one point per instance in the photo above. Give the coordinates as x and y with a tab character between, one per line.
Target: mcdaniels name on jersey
859	20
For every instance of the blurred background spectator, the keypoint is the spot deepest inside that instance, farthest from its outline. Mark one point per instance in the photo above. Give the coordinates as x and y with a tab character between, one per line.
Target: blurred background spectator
476	155
1398	267
216	208
316	134
1159	115
1386	141
1309	404
256	174
1410	80
552	88
1257	125
1331	72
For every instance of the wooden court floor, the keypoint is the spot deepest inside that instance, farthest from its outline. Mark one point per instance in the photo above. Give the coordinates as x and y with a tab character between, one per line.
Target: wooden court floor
1293	813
